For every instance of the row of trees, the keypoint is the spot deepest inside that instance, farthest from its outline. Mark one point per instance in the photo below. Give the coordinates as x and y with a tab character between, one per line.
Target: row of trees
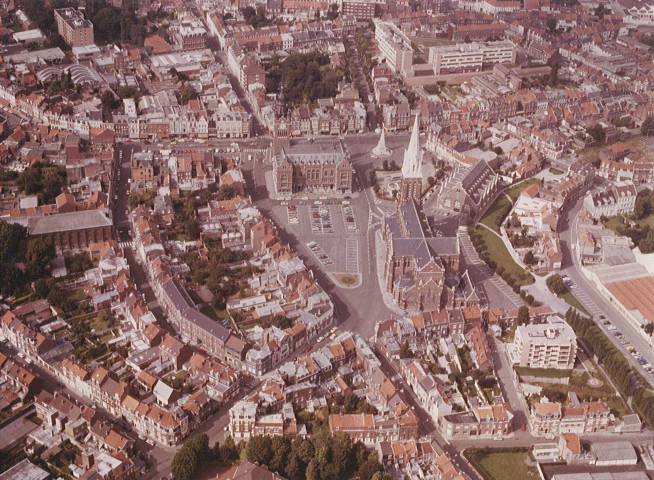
627	381
113	24
611	359
320	457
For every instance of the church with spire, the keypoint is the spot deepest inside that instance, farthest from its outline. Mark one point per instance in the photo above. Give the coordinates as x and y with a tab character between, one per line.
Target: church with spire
411	182
421	271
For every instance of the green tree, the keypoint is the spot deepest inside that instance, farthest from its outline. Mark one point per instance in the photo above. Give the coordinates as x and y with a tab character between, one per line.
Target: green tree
38	257
228	451
523	315
41	288
556	284
529	258
597	132
259	450
192	458
225	192
109	103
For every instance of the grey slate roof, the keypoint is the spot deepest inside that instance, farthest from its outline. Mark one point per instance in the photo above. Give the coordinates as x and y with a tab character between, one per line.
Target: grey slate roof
182	302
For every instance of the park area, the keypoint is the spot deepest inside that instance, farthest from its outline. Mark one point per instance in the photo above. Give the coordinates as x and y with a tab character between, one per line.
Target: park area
496	252
503	464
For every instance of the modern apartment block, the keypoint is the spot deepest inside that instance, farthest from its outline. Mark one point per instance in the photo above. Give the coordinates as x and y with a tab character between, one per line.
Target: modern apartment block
470	57
549	345
395	47
76	30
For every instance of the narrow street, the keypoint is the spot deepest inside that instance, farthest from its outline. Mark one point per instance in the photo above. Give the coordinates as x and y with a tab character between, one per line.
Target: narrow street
426	425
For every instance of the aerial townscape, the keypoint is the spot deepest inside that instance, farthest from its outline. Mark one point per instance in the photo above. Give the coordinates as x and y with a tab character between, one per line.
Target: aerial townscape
327	240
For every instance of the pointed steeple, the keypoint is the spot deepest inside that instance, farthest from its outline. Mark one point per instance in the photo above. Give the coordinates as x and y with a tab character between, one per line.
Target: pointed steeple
412	165
381	150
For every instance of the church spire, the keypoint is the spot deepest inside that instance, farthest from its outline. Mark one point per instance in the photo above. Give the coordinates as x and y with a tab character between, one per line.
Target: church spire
412	165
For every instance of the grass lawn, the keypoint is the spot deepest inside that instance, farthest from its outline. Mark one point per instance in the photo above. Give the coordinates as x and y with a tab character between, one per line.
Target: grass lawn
500	255
211	312
494	211
101	322
504	465
76	295
432	41
106	337
515	191
542	372
612	224
556	171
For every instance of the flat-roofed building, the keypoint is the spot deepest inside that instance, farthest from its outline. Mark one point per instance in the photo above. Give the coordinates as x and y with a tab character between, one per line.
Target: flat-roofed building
470	57
76	30
25	470
549	345
614	453
633	298
395	47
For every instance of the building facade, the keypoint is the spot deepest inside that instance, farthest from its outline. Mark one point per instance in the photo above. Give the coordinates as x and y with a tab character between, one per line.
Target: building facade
321	167
76	30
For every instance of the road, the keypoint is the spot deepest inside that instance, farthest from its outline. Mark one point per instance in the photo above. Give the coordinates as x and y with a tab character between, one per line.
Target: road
595	303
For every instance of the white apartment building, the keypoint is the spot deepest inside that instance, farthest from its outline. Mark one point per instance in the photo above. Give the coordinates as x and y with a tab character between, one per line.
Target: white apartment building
470	57
395	47
549	345
620	199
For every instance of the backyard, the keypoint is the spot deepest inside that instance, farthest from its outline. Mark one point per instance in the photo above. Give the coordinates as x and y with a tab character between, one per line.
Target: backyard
214	313
503	464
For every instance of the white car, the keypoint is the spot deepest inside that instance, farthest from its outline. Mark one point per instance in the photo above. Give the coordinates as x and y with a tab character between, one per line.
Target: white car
320	339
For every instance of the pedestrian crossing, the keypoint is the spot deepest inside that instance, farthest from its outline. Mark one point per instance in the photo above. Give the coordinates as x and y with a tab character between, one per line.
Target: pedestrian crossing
128	245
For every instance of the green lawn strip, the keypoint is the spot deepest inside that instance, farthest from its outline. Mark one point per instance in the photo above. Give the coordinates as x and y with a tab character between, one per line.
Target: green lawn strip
502	464
498	207
571	300
211	312
76	295
501	256
542	372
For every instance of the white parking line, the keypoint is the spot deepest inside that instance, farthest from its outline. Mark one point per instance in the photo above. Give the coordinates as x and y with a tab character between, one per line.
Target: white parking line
352	255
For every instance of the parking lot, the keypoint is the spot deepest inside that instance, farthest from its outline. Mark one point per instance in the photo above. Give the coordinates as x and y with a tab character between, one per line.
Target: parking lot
329	232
